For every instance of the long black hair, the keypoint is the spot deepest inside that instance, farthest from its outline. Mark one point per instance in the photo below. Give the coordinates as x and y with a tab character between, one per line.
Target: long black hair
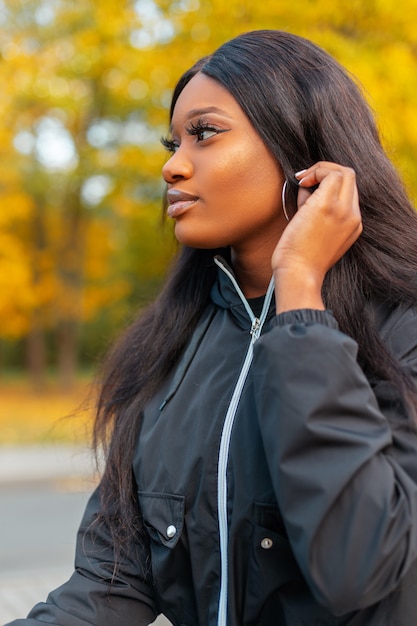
306	108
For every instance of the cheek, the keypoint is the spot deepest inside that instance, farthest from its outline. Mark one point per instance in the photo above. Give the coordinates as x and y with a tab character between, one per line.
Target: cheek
251	182
251	161
235	174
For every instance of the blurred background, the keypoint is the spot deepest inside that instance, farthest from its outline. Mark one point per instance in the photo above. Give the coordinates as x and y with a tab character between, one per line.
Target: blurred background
85	88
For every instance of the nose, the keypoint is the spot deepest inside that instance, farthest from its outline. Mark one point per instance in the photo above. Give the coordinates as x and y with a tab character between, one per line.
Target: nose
177	167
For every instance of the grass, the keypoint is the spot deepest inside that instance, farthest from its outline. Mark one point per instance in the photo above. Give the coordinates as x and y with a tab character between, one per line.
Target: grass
50	415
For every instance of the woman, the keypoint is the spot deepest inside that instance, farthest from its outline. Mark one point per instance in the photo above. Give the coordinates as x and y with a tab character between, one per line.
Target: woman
261	458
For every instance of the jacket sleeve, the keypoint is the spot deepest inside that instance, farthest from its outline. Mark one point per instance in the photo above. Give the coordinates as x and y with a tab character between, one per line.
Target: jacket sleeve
342	459
94	595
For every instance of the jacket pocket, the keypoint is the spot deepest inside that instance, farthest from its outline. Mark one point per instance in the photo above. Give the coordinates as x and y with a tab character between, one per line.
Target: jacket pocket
163	516
272	557
271	567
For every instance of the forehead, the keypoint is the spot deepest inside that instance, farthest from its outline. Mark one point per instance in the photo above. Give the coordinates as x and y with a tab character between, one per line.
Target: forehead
205	95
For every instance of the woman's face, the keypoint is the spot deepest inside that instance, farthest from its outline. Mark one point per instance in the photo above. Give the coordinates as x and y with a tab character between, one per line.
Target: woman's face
224	187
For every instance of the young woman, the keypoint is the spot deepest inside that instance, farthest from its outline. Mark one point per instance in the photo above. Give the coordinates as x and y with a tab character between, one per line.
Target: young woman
259	418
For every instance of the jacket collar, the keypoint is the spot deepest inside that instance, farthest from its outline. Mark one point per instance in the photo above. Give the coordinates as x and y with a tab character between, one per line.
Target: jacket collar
225	296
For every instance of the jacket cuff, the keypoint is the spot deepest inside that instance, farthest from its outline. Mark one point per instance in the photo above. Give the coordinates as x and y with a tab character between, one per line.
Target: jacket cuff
307	317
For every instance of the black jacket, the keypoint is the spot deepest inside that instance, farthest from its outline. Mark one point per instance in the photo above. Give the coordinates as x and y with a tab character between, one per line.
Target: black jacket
311	477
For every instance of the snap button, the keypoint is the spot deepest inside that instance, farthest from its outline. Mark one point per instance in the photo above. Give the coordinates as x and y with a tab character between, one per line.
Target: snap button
266	543
171	531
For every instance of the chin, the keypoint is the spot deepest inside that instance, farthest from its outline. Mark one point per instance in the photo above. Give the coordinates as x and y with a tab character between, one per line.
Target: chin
200	240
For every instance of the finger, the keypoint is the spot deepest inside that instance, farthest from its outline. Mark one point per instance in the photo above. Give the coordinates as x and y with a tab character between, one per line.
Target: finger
337	182
324	165
317	173
329	184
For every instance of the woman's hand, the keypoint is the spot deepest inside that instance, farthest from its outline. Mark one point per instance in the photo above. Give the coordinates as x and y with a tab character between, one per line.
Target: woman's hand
327	223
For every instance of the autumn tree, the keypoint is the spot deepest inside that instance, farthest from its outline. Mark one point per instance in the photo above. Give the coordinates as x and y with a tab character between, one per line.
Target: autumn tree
86	86
86	160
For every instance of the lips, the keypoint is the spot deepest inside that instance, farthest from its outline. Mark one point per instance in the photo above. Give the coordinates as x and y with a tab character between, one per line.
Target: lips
179	202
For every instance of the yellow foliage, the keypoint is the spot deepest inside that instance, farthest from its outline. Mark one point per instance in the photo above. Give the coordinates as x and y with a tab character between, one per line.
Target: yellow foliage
51	415
110	62
16	205
17	298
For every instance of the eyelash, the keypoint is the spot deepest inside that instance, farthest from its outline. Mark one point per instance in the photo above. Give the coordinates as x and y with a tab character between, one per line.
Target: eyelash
200	127
169	144
194	130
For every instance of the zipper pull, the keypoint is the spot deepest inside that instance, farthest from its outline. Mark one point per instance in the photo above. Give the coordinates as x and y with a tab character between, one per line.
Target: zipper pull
254	331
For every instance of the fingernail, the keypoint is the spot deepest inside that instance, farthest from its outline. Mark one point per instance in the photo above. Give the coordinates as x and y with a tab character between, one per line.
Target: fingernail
297	174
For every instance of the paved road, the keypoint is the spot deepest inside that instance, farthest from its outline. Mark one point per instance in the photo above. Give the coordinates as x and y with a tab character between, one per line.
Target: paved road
38	523
39	517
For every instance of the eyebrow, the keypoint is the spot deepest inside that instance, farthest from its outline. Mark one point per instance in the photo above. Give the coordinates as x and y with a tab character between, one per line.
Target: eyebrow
209	109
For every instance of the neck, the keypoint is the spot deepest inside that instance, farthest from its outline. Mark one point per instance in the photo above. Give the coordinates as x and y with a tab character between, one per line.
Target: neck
253	275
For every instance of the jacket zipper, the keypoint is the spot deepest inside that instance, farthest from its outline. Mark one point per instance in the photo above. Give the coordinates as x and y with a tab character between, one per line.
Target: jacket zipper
255	331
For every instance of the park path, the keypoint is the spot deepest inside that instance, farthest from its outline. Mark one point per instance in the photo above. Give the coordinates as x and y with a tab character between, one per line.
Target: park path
43	492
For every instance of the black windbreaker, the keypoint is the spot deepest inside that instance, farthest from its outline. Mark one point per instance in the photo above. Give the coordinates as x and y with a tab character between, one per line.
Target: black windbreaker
308	469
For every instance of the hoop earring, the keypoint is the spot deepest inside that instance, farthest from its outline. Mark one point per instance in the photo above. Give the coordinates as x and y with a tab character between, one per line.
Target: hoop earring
284	207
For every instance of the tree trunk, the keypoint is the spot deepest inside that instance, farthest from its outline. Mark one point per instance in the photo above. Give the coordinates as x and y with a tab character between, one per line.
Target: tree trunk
67	353
36	356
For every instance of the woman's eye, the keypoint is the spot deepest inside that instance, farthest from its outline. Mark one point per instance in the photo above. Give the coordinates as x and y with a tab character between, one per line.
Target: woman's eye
205	133
202	131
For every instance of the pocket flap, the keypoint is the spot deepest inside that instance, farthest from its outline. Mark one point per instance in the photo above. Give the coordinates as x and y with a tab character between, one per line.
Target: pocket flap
269	516
163	515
